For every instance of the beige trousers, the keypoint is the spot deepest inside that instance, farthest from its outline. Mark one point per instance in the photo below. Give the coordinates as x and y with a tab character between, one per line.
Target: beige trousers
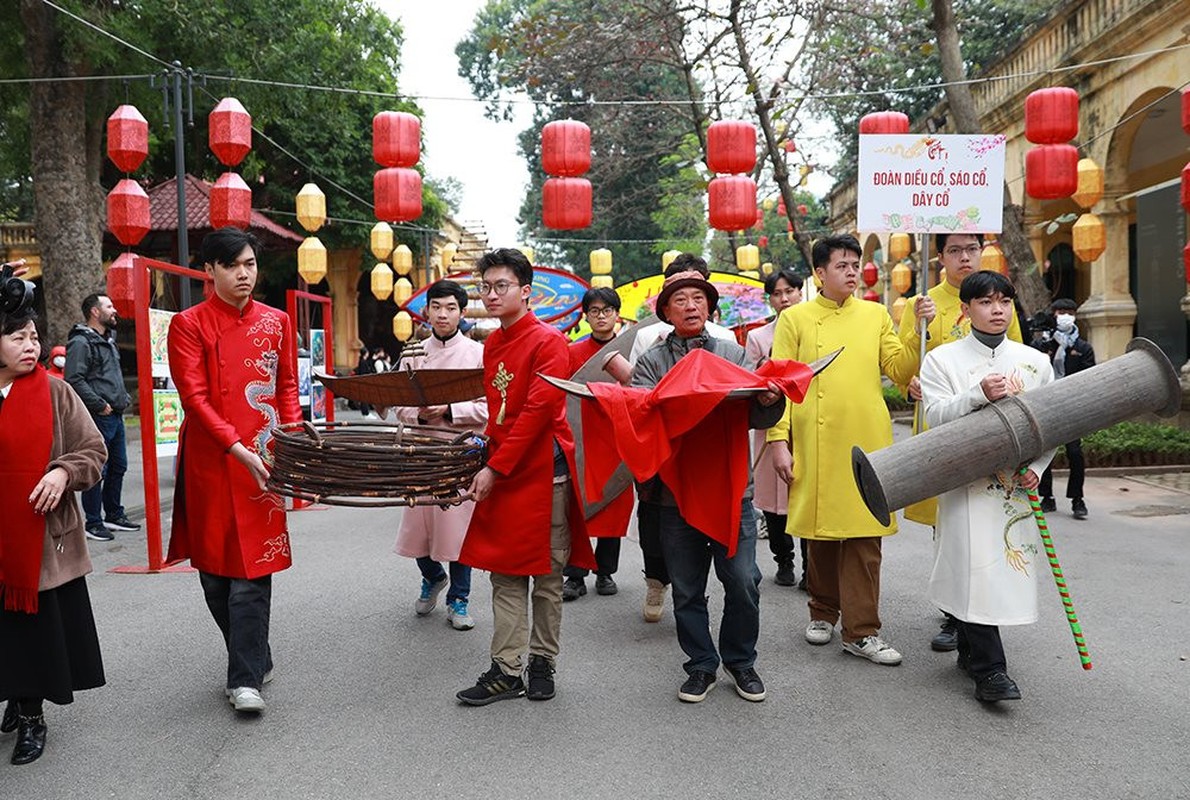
511	609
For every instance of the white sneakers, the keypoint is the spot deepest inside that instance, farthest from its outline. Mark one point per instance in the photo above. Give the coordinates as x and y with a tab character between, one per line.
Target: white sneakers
872	648
654	600
819	632
245	698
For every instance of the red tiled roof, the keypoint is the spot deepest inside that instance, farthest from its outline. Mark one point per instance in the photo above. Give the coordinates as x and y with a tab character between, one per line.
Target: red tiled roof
163	210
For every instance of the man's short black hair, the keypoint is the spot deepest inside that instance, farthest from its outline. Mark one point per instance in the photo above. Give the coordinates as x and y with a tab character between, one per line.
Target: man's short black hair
446	288
89	302
508	257
940	239
601	294
985	283
821	254
685	262
1063	304
791	277
224	245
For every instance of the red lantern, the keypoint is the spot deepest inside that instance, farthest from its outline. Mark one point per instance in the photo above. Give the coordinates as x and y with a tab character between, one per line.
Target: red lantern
731	147
127	138
871	296
871	274
1051	115
1186	110
396	139
884	122
128	212
1186	260
566	203
790	147
231	202
763	241
1051	171
1186	187
230	131
732	201
802	209
396	192
120	285
781	208
566	148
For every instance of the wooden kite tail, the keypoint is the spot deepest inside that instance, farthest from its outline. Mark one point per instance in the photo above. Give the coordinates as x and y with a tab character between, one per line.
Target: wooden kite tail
1079	641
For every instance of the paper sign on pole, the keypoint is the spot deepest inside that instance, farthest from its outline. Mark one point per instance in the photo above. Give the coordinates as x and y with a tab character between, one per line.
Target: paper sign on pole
930	183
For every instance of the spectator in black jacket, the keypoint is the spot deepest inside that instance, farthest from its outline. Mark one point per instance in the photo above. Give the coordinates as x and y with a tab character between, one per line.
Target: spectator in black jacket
93	369
1070	353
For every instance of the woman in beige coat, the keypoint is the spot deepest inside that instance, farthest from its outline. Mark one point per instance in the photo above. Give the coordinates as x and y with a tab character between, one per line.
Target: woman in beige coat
49	449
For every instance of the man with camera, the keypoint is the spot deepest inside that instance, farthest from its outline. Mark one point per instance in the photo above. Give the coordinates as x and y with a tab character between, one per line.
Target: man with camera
93	369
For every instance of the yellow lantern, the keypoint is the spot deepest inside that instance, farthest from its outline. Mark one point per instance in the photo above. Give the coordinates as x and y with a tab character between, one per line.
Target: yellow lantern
768	204
766	268
382	281
402	291
1090	183
747	258
901	276
602	282
1090	237
529	254
449	251
402	326
311	207
898	308
601	262
311	257
898	246
381	240
402	259
667	258
992	258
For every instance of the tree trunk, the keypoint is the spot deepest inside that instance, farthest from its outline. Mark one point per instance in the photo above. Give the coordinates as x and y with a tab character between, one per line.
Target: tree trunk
68	211
1015	242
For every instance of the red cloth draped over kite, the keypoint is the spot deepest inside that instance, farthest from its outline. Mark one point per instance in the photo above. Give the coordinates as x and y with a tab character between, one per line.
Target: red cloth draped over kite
684	430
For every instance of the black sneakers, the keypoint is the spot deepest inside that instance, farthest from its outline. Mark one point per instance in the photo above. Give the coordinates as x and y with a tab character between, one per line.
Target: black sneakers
695	688
493	685
748	684
1048	505
997	686
946	639
1078	508
786	576
121	523
573	589
541	678
605	585
98	532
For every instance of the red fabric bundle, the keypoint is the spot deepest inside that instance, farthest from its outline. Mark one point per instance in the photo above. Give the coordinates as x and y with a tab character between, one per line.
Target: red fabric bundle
26	441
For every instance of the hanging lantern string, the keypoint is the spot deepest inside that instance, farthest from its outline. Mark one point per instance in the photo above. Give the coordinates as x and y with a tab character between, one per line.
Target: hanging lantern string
1080	642
111	36
76	79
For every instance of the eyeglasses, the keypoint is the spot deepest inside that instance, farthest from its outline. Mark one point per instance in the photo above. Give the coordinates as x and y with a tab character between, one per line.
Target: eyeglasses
600	311
499	287
971	250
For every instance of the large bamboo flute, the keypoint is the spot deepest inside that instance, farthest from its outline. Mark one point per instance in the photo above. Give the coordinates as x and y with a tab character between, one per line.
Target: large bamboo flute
1079	641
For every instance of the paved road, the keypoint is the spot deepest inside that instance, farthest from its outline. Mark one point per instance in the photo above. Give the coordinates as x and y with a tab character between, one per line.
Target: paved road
363	702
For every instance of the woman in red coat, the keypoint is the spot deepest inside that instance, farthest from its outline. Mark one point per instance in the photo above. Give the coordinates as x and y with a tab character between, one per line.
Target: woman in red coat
233	362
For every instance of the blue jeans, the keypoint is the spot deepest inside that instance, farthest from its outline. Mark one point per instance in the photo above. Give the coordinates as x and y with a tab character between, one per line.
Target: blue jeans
689	555
103	499
460	577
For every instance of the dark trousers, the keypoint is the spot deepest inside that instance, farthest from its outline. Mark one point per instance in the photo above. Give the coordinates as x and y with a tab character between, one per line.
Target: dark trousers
241	608
1078	471
982	649
690	554
104	497
607	559
648	523
780	542
460	577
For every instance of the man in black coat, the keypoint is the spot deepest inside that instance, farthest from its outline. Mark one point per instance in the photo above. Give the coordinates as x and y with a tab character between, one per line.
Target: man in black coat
1070	353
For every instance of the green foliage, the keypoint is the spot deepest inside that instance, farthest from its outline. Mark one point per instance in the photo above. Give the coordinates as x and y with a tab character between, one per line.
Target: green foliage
895	400
347	43
1138	437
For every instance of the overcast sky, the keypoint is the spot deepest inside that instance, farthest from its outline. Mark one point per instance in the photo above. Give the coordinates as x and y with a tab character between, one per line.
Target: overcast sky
459	140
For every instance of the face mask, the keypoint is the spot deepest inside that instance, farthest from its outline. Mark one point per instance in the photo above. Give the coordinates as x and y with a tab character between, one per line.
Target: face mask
60	362
1065	322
